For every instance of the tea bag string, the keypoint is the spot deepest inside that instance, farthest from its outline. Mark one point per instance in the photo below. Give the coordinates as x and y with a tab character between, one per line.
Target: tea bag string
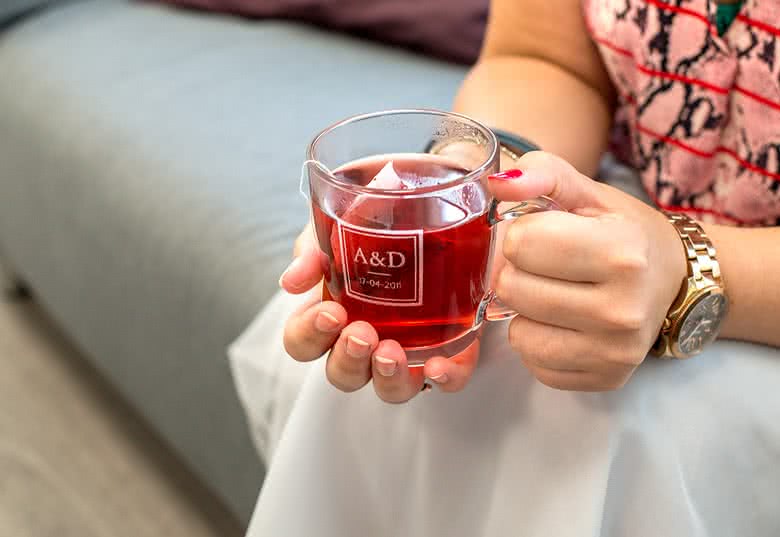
303	186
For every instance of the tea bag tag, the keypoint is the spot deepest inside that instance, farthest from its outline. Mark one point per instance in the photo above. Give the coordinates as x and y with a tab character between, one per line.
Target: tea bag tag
304	186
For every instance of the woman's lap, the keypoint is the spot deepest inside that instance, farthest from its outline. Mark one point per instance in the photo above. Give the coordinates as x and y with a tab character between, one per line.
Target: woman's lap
686	448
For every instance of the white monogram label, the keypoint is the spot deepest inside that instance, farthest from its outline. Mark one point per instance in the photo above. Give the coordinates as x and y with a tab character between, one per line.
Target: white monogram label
378	259
382	267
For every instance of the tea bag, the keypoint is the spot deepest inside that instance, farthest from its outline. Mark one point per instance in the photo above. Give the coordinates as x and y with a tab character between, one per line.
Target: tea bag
376	212
387	179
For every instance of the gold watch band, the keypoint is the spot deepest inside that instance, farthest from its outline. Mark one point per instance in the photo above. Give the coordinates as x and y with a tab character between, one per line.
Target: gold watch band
702	265
703	277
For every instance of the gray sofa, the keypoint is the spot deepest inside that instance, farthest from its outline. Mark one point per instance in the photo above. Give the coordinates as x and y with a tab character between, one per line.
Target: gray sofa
149	163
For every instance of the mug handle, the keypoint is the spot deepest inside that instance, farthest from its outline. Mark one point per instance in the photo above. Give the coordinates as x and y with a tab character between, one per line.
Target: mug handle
491	308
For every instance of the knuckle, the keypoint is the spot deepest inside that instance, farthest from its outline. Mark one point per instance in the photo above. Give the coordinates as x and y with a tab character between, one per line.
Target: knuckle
624	356
623	319
516	339
504	284
634	356
544	352
630	252
515	229
611	382
302	345
288	348
513	246
616	383
292	346
392	396
554	381
628	262
550	349
394	390
614	354
340	384
344	373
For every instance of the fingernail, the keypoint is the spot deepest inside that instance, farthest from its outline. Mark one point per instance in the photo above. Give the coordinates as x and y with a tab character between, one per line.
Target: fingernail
385	366
440	379
292	266
357	348
507	175
325	322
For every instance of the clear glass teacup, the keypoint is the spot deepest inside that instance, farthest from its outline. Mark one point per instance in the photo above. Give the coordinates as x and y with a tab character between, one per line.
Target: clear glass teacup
407	226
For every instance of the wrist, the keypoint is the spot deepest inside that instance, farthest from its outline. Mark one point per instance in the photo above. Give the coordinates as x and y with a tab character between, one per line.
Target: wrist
726	241
676	263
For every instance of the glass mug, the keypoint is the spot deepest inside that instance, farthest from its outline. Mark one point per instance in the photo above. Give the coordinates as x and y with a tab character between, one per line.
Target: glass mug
407	226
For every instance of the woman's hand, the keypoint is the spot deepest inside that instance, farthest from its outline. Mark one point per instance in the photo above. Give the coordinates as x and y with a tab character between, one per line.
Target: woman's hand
592	286
356	353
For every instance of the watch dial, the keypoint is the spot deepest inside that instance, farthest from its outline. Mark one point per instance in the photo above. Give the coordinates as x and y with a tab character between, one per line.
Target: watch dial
702	324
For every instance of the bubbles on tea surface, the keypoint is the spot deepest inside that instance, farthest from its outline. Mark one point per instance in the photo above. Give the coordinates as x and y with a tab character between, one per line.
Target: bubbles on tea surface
427	176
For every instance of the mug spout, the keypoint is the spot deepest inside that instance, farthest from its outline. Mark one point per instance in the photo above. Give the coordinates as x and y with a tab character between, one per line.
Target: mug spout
304	187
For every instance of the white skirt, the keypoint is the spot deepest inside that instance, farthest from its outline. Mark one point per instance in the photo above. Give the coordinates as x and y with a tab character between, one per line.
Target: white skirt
686	448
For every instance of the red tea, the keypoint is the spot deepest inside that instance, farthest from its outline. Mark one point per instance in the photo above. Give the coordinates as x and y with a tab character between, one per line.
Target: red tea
414	267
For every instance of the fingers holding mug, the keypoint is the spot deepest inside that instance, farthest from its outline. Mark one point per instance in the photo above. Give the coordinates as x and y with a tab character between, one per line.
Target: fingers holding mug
313	329
394	380
452	374
349	363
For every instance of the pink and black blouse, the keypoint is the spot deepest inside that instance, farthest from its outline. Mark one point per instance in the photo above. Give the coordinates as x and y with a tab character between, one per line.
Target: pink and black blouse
698	113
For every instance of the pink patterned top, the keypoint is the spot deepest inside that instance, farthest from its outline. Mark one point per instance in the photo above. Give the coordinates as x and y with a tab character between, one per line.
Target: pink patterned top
698	114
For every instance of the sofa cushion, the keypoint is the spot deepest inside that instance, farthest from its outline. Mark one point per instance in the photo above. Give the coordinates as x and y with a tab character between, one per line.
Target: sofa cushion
149	171
451	30
11	10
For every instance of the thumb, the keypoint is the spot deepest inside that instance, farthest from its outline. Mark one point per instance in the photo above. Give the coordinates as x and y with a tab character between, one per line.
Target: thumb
307	267
305	241
544	174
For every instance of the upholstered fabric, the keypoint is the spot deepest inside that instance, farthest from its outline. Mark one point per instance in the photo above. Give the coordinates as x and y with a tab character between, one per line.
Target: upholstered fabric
149	171
11	10
452	30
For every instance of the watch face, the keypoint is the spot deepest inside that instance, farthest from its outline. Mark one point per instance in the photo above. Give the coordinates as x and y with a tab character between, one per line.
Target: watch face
702	323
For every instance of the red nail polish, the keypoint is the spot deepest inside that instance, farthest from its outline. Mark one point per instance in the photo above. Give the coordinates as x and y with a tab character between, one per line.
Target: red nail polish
507	175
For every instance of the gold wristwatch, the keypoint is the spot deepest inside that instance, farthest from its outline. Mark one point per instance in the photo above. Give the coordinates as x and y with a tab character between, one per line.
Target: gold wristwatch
695	318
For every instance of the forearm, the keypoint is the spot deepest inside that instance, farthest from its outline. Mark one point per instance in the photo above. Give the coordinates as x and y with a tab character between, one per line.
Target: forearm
748	260
542	102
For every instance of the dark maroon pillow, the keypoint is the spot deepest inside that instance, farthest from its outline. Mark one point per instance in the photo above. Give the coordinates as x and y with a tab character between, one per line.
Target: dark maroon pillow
449	29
